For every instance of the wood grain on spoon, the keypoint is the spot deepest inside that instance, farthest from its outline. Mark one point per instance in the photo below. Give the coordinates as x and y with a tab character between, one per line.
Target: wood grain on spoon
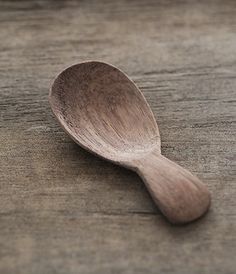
106	113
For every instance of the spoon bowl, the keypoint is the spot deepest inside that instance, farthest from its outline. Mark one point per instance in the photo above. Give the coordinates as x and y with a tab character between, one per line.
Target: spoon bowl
105	112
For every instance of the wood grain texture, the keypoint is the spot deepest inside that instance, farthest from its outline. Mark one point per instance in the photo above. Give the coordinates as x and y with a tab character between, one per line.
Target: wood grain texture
103	111
66	211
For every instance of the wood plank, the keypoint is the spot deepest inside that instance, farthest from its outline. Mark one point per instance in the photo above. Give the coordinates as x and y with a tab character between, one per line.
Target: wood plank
63	210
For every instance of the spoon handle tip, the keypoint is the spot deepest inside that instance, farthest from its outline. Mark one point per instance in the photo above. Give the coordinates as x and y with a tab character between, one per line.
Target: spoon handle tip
180	195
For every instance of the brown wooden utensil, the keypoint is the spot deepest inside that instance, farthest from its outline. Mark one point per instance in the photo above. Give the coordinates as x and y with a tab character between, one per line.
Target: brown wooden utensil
105	112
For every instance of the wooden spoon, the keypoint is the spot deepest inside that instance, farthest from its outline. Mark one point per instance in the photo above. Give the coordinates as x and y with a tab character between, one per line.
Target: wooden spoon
105	112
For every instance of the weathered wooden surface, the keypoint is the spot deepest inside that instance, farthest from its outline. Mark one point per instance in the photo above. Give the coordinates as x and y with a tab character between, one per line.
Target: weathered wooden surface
63	210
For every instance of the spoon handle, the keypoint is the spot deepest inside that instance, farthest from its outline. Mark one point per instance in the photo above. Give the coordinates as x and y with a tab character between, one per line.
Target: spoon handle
180	196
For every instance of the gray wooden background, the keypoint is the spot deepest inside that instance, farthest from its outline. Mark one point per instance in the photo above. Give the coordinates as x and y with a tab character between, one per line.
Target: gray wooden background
63	210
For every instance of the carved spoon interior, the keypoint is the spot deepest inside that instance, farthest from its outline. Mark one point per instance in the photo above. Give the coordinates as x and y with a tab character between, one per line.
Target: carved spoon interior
105	112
